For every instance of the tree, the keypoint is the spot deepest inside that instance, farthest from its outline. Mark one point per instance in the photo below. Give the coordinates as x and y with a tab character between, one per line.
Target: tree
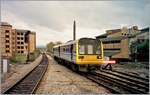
140	50
50	46
58	42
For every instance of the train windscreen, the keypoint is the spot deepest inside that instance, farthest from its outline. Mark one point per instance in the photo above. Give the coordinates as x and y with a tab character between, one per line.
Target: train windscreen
89	46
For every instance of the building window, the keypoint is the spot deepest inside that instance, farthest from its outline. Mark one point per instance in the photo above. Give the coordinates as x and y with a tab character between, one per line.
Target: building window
7	36
18	47
18	33
21	38
18	38
110	42
13	38
7	51
7	31
18	51
7	41
21	33
22	47
21	42
7	46
22	52
112	49
18	42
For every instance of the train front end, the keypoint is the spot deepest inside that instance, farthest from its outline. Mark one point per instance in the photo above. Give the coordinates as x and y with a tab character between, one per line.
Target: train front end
89	51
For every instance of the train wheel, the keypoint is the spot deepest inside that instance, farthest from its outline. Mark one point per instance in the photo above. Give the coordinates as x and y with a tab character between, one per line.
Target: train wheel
75	67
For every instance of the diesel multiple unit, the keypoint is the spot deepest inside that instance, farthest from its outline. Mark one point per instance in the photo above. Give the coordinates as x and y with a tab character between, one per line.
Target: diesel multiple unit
84	54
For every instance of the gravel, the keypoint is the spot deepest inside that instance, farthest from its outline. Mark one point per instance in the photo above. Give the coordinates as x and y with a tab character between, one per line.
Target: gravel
59	79
140	71
18	74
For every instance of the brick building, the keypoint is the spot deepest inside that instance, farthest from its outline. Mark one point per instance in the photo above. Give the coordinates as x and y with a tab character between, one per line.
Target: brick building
16	41
6	39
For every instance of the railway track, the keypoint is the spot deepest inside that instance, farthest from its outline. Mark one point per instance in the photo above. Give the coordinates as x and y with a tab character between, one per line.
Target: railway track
119	82
28	84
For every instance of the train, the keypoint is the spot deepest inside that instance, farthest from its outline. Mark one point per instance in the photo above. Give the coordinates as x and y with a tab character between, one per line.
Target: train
84	54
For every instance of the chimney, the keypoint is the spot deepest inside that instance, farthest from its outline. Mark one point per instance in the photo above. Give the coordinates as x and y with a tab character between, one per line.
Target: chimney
74	30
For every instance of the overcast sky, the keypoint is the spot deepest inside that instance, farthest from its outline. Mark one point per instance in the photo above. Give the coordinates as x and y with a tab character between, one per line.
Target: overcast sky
53	20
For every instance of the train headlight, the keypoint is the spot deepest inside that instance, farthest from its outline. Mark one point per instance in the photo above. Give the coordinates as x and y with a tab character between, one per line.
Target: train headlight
98	57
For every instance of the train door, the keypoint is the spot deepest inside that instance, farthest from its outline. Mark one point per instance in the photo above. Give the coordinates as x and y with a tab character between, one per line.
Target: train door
71	49
59	51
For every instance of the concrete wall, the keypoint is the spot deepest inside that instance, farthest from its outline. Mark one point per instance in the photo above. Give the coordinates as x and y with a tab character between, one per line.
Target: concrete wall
124	50
32	42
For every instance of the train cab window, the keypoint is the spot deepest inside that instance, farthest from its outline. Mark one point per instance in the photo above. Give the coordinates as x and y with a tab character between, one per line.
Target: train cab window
98	50
90	49
82	49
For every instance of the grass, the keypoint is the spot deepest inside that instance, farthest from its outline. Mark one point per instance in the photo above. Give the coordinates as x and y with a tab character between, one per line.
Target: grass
19	58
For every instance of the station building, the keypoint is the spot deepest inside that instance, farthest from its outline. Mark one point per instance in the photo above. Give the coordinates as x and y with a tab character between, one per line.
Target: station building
116	42
16	41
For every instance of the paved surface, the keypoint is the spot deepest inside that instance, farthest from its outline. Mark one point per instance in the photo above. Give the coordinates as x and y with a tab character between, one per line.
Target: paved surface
59	79
19	74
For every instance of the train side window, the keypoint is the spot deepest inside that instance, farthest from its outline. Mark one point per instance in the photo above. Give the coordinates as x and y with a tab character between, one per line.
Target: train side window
63	49
74	48
81	49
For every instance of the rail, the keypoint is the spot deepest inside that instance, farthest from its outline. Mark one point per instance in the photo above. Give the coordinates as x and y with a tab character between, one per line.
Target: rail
29	83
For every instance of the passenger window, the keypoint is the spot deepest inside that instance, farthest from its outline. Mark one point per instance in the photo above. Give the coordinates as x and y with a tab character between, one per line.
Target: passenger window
74	48
90	49
82	49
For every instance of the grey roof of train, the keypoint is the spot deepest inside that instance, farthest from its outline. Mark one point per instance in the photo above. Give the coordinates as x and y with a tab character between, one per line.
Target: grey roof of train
71	42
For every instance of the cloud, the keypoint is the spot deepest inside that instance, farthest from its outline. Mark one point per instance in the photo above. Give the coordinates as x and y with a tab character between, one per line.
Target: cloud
52	20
